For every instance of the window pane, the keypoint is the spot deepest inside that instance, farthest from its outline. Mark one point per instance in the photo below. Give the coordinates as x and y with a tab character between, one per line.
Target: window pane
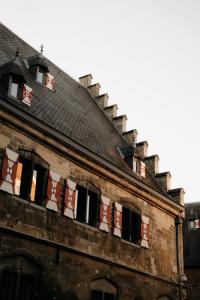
33	185
26	288
40	76
41	185
97	295
93	209
18	178
81	204
108	296
26	178
14	89
126	234
8	285
135	227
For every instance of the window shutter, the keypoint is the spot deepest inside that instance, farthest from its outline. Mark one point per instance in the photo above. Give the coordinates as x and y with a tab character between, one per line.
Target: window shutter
70	199
50	82
196	223
117	220
27	94
144	231
8	171
104	214
53	191
142	169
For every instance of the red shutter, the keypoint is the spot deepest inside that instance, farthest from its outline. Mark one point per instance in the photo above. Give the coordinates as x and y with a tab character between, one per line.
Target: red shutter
196	223
70	199
144	231
104	214
53	191
50	82
117	220
27	94
8	171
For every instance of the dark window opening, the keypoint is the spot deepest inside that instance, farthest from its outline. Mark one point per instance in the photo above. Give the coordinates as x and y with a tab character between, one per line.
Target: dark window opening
130	225
31	181
99	295
17	286
87	208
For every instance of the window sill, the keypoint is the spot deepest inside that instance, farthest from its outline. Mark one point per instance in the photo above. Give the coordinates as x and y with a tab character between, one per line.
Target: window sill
85	225
131	244
30	203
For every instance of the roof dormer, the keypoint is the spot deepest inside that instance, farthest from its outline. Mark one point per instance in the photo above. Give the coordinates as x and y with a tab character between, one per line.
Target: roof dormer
39	68
13	81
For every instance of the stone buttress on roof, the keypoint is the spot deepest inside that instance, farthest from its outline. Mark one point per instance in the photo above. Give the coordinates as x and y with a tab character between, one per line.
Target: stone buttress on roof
79	112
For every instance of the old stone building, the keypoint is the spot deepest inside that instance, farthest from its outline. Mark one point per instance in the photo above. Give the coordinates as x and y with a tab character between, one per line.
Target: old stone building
191	237
84	212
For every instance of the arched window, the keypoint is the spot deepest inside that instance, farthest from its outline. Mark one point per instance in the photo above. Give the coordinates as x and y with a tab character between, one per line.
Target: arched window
19	278
102	289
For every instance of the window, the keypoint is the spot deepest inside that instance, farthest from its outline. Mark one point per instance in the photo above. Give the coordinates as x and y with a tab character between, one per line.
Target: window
15	87
87	209
40	76
14	90
99	295
130	225
16	285
139	167
31	181
102	289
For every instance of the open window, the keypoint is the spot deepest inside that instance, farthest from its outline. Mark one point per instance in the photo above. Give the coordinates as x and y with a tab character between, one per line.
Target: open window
87	207
31	181
131	224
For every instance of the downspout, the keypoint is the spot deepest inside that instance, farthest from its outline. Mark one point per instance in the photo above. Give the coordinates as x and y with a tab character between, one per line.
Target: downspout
179	249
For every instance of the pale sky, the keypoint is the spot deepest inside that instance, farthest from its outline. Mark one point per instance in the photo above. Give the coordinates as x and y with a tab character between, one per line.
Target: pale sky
145	54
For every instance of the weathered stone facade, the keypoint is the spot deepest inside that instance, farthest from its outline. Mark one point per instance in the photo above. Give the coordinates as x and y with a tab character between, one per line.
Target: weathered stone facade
68	259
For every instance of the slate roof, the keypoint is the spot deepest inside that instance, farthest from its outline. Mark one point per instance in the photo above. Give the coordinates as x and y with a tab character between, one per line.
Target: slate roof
191	238
70	110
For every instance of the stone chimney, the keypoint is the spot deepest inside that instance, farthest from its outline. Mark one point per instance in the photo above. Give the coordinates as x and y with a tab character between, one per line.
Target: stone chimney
102	100
85	80
111	111
164	180
94	89
152	164
130	136
177	195
142	148
120	123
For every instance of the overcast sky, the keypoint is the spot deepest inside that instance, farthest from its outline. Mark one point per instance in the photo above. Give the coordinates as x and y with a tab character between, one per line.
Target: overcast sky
145	54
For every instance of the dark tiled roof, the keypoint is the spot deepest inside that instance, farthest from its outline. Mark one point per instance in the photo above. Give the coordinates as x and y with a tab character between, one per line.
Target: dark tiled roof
38	60
12	67
191	237
70	110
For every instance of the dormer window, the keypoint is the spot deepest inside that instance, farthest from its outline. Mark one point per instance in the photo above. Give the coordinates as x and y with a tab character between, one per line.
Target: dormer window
39	68
13	82
14	89
40	76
